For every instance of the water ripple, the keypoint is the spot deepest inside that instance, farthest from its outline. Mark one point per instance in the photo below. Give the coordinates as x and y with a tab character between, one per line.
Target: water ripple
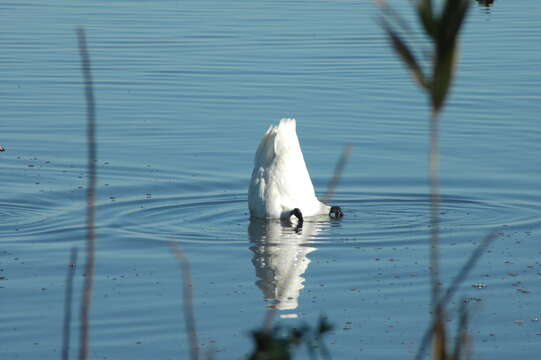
223	218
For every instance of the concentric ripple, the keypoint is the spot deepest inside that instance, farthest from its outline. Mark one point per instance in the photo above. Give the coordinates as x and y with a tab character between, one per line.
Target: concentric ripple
375	218
387	217
204	218
222	217
31	217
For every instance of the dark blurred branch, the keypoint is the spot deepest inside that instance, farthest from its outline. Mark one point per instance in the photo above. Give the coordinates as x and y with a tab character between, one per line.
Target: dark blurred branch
486	3
68	295
462	340
279	342
338	170
90	194
468	266
434	208
187	299
451	290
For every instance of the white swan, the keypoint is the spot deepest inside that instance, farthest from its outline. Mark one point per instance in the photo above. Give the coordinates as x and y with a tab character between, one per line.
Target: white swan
281	186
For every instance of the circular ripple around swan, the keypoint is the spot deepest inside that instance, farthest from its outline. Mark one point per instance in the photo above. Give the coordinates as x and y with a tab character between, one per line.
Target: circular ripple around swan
204	218
374	218
21	214
406	217
20	218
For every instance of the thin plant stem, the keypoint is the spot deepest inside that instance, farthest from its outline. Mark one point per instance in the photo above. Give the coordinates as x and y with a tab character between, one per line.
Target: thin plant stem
451	290
461	341
90	195
187	299
434	207
338	170
68	296
443	29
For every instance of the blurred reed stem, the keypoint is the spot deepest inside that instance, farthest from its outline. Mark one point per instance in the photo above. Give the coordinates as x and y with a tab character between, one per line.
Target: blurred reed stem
452	289
187	299
442	28
434	207
338	171
90	195
68	296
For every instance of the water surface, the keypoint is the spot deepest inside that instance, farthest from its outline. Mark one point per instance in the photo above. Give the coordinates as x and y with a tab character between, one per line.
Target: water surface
184	92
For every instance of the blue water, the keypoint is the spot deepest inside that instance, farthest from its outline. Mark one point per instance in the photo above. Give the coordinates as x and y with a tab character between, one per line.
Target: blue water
184	92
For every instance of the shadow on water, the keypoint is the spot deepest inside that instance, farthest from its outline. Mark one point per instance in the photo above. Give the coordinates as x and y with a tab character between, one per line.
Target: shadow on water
281	259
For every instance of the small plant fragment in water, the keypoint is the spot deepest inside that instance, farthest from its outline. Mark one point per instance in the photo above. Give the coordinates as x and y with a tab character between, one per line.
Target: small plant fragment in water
486	3
278	342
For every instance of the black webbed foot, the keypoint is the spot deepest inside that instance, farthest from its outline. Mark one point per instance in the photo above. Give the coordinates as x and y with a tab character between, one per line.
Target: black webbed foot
336	212
298	215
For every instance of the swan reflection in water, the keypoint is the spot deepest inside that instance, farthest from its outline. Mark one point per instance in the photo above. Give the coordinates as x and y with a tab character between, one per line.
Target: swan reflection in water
280	258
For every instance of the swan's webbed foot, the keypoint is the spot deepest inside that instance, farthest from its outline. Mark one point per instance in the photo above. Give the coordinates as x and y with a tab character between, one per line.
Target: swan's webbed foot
336	212
298	215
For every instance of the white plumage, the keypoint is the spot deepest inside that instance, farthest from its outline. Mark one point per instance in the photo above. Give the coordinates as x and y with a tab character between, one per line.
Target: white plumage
280	181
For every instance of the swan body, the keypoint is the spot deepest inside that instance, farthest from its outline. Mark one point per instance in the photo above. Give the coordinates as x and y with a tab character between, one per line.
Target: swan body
281	186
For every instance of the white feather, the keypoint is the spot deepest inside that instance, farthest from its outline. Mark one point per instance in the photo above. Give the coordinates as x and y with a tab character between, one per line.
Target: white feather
280	180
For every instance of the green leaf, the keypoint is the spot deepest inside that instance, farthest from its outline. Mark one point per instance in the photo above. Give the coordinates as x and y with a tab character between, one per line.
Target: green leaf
395	16
406	55
442	78
426	15
446	45
451	20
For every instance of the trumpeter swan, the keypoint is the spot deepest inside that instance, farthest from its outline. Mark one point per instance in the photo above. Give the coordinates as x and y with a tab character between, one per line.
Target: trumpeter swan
281	186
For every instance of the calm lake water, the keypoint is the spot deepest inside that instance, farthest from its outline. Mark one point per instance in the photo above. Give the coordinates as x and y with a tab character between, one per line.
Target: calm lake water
184	91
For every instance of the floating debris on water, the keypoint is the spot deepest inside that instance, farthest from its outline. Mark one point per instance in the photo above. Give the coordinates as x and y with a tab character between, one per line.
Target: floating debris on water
479	285
472	299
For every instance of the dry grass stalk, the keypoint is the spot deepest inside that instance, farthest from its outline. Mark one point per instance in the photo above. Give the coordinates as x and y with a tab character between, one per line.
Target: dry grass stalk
451	291
68	295
338	171
90	195
187	299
